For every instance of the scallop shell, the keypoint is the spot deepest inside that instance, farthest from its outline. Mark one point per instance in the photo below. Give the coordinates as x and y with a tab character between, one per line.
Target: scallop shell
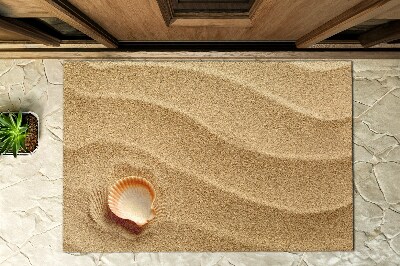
132	198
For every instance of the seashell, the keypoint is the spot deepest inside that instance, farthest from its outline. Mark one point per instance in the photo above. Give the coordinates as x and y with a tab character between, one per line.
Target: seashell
132	198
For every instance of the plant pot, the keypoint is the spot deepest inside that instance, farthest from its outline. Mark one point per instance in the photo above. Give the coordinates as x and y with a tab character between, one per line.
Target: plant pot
32	138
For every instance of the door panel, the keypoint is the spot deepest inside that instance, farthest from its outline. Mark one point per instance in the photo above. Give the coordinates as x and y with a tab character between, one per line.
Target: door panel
273	20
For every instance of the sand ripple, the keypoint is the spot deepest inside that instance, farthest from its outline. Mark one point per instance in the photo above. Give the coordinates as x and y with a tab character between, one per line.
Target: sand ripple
235	163
254	194
186	145
281	141
100	214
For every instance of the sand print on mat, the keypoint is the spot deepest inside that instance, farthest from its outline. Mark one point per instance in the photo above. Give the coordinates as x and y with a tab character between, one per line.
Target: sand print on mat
243	156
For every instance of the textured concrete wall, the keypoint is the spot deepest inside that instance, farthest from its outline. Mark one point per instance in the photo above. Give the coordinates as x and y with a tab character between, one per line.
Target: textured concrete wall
31	186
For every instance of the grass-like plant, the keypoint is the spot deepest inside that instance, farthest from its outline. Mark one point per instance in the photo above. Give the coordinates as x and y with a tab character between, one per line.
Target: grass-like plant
12	133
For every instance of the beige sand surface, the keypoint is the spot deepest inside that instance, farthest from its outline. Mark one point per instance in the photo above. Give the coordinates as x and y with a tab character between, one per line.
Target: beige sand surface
244	156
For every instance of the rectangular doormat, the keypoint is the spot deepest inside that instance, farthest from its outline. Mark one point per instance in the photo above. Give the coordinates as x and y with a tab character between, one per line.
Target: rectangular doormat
221	155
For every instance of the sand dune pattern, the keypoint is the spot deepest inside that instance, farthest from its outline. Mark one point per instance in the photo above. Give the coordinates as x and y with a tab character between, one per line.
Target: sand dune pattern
244	156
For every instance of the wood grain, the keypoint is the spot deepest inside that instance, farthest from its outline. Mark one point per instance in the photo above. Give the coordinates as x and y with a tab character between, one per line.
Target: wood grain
273	20
22	9
357	14
393	13
143	20
7	36
28	32
384	33
63	10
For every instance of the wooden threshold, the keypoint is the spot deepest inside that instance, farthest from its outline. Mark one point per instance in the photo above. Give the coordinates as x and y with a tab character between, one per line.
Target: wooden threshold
66	12
103	53
359	13
384	33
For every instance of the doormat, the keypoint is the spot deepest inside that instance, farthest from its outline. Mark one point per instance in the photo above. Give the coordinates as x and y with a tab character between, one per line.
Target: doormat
226	156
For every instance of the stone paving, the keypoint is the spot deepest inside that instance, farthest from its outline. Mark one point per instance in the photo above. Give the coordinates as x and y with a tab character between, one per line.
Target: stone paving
31	186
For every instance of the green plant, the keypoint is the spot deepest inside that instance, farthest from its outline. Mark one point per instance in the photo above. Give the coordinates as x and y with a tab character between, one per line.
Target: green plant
12	133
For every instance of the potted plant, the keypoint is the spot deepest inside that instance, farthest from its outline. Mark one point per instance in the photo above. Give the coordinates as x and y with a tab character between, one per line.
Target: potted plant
19	133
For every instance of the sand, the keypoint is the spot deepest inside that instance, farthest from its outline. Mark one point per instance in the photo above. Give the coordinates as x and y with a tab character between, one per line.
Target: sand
244	156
